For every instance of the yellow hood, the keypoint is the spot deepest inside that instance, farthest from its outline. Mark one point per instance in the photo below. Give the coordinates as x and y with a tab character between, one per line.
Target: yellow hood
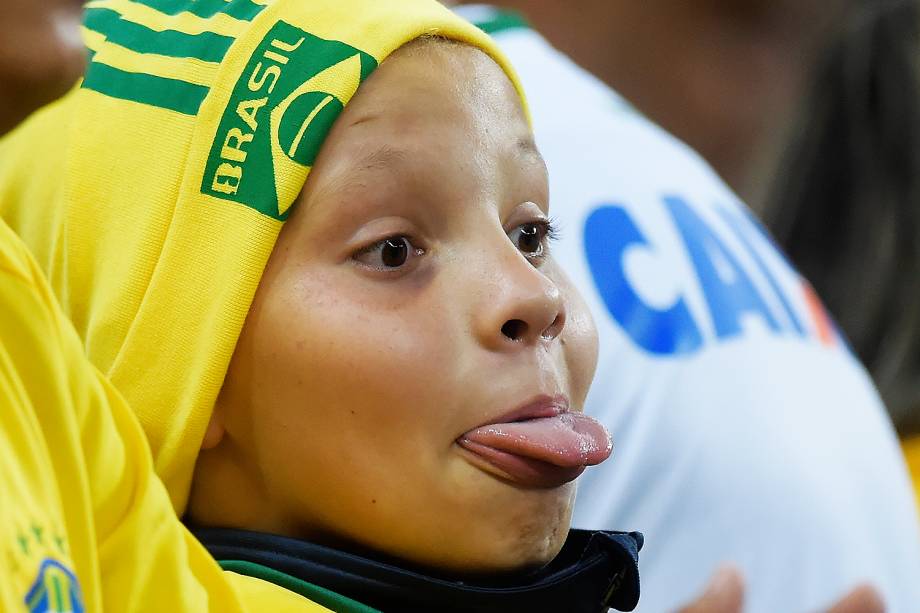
152	195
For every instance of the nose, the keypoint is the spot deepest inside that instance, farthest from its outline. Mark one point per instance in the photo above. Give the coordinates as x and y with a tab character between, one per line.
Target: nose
524	307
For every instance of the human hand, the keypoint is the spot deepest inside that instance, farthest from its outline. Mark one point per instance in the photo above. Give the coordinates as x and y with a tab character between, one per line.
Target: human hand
725	594
863	599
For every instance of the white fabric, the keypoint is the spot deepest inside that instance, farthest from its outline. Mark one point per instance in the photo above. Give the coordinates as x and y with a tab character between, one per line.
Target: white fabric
762	446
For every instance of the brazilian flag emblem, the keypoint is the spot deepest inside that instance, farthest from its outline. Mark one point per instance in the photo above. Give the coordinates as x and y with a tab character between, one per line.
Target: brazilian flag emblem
55	590
292	90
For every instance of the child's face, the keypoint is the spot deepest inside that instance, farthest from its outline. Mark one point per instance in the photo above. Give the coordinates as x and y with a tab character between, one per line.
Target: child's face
405	305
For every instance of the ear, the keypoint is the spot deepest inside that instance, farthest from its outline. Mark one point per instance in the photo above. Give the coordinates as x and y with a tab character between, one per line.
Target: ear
215	432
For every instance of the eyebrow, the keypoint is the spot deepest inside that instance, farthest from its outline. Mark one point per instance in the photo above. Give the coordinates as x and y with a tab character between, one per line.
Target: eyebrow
526	145
387	155
381	158
527	149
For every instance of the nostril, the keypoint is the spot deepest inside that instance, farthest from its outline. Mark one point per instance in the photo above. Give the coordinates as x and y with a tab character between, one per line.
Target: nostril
554	328
515	329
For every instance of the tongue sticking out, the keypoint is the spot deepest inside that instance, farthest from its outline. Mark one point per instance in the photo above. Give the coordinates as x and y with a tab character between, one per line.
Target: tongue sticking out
568	440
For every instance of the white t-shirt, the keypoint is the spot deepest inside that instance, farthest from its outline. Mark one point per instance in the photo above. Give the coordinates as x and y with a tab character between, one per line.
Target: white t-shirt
744	429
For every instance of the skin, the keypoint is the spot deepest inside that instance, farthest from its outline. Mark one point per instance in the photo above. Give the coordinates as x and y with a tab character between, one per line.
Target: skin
41	55
725	594
350	384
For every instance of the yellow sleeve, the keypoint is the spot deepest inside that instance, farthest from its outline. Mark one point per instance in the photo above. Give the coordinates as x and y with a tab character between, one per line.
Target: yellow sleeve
85	525
45	534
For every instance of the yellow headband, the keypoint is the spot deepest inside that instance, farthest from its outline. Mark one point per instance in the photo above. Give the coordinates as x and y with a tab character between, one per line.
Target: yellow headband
173	167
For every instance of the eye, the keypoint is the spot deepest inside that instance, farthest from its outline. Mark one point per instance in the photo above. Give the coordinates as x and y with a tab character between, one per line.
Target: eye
391	253
531	238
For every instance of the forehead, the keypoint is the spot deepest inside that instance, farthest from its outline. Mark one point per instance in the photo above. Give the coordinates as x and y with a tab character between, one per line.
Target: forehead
432	99
443	82
437	125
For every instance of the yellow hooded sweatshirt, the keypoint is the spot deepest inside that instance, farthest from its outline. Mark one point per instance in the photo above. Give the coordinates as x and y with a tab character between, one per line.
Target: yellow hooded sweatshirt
152	195
85	525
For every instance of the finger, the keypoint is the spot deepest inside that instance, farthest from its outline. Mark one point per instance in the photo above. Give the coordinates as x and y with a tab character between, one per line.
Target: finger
724	594
863	599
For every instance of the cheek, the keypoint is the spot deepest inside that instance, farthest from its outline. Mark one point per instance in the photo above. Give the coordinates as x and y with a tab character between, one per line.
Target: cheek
581	353
344	369
579	340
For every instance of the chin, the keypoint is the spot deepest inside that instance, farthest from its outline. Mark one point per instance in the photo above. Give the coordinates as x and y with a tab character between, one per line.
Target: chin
537	547
525	555
528	537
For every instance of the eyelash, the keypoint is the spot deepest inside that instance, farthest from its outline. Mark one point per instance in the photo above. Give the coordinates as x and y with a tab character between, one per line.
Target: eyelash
380	244
548	233
551	232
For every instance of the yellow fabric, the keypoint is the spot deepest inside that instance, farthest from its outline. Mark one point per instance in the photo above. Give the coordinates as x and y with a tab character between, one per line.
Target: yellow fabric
911	447
83	518
153	213
271	597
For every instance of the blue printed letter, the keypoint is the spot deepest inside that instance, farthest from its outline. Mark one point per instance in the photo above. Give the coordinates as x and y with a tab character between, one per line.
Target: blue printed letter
745	225
729	291
608	232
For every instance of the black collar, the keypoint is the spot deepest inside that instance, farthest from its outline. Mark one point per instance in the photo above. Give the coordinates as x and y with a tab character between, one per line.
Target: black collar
595	570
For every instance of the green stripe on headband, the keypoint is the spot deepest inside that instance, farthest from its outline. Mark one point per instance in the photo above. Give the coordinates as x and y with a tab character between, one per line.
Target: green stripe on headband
206	46
161	92
502	20
238	9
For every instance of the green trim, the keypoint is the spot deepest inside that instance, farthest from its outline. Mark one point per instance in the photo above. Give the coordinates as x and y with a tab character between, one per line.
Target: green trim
319	595
170	94
206	46
58	594
239	9
501	21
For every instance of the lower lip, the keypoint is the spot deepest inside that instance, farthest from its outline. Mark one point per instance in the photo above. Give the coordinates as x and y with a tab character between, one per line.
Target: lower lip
520	470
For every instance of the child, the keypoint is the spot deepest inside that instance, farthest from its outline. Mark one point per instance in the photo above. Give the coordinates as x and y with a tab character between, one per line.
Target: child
408	382
85	525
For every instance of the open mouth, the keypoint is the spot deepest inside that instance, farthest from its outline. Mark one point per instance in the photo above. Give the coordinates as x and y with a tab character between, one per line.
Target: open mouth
542	451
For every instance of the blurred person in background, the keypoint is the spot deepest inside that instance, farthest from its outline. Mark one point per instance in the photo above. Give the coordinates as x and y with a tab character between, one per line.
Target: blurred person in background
846	202
724	76
746	429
